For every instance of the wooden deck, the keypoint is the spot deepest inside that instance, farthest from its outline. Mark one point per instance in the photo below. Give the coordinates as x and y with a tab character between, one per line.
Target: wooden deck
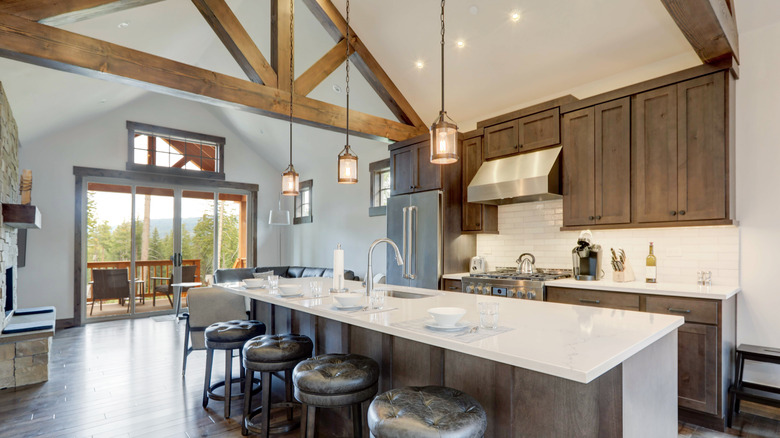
123	378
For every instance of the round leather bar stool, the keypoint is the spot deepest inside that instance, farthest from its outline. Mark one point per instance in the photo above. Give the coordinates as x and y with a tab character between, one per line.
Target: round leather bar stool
228	336
333	380
426	412
270	354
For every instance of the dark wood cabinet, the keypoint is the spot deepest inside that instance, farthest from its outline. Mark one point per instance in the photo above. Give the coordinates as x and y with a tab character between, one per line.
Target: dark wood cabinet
697	367
477	218
704	342
681	152
524	134
412	170
451	285
597	165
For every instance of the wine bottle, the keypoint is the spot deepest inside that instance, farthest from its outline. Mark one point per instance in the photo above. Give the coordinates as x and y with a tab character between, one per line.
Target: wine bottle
650	267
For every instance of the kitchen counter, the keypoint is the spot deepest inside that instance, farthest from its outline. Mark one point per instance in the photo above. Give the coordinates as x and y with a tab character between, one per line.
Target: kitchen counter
572	342
612	372
668	289
457	276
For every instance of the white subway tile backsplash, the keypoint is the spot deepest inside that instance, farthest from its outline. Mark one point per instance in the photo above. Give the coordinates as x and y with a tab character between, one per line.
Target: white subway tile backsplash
681	252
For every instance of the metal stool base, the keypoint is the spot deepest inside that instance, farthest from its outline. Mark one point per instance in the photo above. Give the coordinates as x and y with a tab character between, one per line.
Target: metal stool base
275	428
212	395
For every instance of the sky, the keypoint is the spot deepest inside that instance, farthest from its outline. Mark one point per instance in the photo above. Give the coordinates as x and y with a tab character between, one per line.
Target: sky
115	208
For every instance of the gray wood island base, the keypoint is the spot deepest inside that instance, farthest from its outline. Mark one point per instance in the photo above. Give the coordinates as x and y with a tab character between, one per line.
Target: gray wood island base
635	398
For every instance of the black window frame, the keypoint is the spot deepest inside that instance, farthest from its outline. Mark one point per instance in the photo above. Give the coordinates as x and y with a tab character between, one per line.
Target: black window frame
161	131
307	185
374	169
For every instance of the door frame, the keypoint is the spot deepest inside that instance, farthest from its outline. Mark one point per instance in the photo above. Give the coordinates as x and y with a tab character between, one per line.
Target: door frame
85	175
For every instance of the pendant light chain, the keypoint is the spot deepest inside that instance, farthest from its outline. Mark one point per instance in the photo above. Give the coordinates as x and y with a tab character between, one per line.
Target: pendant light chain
442	55
292	74
347	56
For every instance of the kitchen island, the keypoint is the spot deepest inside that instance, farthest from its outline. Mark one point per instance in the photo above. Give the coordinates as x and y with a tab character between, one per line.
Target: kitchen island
551	370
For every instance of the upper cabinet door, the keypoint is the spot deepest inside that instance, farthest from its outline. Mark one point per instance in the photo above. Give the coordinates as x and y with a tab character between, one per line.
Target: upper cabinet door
702	183
613	162
472	160
540	130
578	168
655	156
428	175
502	139
402	170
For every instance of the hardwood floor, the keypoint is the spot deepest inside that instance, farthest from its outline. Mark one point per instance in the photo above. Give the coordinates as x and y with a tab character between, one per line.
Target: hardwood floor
123	378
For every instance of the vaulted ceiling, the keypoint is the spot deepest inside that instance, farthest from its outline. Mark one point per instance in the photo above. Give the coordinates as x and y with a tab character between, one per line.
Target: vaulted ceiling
555	46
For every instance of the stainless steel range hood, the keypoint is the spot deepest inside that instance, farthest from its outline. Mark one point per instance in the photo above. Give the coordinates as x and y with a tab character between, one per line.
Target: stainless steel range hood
534	176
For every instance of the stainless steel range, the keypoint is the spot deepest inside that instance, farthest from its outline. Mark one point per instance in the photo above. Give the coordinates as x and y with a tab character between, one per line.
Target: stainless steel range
508	282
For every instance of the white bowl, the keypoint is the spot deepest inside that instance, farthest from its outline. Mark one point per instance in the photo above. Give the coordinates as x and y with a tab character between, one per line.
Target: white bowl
447	316
255	282
289	289
350	299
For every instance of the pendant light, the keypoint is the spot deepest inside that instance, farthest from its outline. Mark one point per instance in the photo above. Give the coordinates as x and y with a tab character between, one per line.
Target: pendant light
347	160
444	133
279	216
290	180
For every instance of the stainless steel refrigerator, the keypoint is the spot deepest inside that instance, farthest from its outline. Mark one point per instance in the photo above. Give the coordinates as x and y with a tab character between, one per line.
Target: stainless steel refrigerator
414	223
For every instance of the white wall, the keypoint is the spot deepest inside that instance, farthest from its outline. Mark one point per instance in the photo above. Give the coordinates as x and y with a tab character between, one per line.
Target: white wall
340	210
102	143
681	252
758	179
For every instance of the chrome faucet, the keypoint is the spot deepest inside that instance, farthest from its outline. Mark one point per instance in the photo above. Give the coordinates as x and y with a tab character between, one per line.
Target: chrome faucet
370	270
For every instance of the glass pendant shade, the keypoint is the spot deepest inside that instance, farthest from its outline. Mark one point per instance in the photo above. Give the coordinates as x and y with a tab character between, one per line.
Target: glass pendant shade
444	141
290	182
279	216
347	166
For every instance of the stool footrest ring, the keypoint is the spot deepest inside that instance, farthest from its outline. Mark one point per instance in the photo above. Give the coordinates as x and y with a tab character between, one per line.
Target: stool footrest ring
275	428
221	397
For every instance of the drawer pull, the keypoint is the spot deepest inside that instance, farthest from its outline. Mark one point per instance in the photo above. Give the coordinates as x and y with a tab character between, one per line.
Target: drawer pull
582	300
673	310
453	288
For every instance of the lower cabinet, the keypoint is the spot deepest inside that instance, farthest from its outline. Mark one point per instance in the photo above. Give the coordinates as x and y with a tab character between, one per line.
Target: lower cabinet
451	285
705	344
697	368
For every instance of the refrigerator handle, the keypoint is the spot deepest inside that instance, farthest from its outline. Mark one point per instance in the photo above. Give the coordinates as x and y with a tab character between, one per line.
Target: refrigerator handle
412	245
403	243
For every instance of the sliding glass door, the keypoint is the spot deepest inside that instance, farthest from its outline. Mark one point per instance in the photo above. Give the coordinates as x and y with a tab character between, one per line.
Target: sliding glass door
141	239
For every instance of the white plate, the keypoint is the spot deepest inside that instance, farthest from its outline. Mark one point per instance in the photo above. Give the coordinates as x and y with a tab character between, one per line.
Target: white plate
246	286
359	306
460	325
291	296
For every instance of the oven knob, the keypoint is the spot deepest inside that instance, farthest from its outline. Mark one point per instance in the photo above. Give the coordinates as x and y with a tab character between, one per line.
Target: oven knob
531	295
470	289
520	293
510	293
478	289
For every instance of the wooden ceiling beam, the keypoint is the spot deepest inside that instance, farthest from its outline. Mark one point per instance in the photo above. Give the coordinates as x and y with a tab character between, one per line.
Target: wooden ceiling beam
57	13
708	25
236	39
280	42
369	67
47	46
321	69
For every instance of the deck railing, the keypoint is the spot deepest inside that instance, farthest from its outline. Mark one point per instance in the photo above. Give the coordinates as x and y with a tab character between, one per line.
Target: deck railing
150	271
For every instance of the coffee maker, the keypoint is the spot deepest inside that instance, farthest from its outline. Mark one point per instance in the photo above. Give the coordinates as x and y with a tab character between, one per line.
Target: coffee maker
586	258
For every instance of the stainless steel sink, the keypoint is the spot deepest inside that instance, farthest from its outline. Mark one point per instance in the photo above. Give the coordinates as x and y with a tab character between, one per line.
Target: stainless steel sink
407	295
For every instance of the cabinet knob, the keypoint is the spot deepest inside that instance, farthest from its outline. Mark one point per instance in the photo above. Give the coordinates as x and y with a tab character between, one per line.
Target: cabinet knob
478	224
674	213
682	212
520	145
598	218
411	187
590	218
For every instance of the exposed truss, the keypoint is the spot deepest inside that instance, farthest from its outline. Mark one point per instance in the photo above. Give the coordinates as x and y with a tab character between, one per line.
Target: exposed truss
25	37
709	26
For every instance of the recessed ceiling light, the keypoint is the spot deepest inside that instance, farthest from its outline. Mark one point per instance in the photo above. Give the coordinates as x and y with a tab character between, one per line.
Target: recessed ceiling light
460	43
336	89
419	64
123	25
474	10
515	16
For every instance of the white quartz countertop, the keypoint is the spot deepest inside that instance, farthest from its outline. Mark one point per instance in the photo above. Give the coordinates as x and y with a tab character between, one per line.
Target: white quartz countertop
640	287
457	276
573	342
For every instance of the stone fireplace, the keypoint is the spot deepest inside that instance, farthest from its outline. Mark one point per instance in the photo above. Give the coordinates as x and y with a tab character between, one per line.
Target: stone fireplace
9	194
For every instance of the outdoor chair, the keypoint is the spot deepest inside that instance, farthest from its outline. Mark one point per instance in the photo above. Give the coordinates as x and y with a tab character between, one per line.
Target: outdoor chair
109	284
208	305
187	275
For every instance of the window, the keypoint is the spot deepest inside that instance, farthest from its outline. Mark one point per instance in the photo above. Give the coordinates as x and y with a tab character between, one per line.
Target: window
303	213
380	187
171	151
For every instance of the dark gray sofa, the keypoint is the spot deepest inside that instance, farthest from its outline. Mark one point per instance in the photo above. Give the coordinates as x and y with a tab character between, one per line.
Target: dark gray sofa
233	275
